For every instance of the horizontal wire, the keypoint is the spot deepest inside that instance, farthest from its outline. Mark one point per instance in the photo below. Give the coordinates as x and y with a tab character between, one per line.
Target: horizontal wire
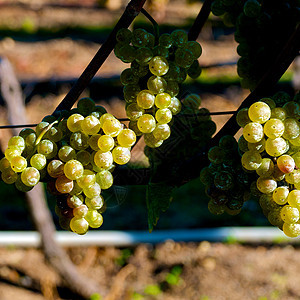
124	119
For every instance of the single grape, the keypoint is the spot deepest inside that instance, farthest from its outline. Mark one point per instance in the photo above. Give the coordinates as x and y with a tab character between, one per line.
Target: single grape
156	84
30	176
112	127
278	113
63	184
161	132
251	160
93	141
90	125
139	38
85	106
280	195
259	112
253	132
293	177
158	66
163	100
103	159
184	57
16	141
74	122
259	146
9	176
105	179
163	115
143	55
274	128
12	152
291	230
124	35
286	163
95	202
93	190
216	155
165	40
88	178
80	211
66	153
292	128
146	123
179	37
84	157
18	163
55	168
266	168
134	111
175	106
145	99
94	218
128	77
289	214
151	141
73	169
79	225
74	200
126	138
106	143
252	8
266	185
294	198
276	147
4	164
121	155
194	47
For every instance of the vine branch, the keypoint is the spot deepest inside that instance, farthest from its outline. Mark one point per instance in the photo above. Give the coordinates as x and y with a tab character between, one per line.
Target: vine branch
131	11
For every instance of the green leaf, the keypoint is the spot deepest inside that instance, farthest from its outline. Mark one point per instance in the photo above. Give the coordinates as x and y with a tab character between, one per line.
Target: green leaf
158	199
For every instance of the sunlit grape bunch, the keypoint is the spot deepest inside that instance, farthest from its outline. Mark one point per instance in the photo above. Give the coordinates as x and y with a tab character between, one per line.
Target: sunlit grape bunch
75	156
270	147
151	84
227	185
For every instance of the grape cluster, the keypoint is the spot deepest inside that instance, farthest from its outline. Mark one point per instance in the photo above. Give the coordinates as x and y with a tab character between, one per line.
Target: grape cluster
262	27
75	156
270	147
151	84
227	185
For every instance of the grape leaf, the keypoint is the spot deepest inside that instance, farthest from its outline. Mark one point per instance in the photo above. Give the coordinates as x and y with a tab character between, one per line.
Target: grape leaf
158	198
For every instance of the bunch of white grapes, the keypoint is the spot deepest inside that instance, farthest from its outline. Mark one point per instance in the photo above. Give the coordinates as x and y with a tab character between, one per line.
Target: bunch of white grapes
271	147
151	84
75	156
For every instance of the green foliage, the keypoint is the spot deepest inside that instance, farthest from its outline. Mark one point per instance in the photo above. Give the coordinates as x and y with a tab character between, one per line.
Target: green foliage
173	278
96	296
152	289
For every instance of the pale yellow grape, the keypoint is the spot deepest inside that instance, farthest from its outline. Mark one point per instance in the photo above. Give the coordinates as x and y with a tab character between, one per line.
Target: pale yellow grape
64	185
74	122
66	153
251	160
276	147
80	211
88	178
103	159
163	115
291	230
163	100
280	195
38	161
95	202
291	128
162	132
286	163
106	117
84	157
12	152
55	168
266	168
175	106
266	185
134	111
9	176
105	179
121	155
294	198
297	185
30	176
293	177
4	164
278	113
259	146
106	143
259	112
94	218
133	126
158	65
90	125
126	138
73	169
274	128
79	225
253	132
242	117
145	99
112	127
146	123
92	191
151	141
296	158
289	214
18	163
295	142
16	141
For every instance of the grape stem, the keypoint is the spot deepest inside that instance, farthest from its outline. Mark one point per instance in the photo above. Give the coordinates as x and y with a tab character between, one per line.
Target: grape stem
154	23
131	11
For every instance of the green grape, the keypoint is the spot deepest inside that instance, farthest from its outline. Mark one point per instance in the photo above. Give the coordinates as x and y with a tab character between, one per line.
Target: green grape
215	209
121	155
172	88
274	217
243	144
93	190
90	125
296	158
161	132
175	106
163	115
252	8
79	141
276	147
291	230
267	203
223	181
228	143
143	55
277	174
62	125
165	40
145	99
74	122
79	225
140	38
130	92
126	138
174	72
66	153
294	198
25	132
77	190
271	103
46	147
74	200
251	160
88	178
16	141
73	169
85	106
12	152
158	66
18	163
179	37
266	168
9	176
128	77
4	164
84	157
30	176
292	128
94	218
146	123
93	141
285	163
216	155
139	70
160	51
280	195
124	35
134	111
293	177
278	113
40	127
163	100
259	112
293	109
206	177
274	128
21	186
253	132
98	111
103	159
156	84
184	57
104	179
64	184
126	53
266	185
194	71
54	134
106	143
95	202
217	8
55	168
295	142
259	146
289	214
80	211
151	141
112	127
193	101
194	47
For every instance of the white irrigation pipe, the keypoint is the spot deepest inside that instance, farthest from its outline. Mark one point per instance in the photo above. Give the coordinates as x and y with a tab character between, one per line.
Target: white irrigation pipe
128	238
